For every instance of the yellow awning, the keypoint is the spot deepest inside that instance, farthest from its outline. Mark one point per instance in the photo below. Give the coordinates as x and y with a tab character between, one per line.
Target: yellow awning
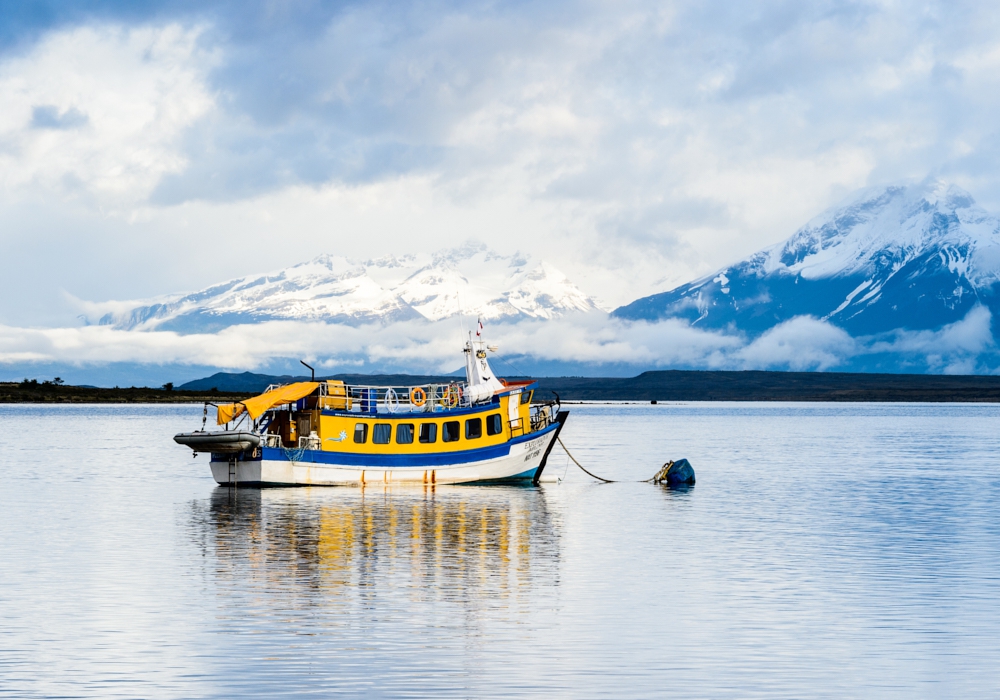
258	404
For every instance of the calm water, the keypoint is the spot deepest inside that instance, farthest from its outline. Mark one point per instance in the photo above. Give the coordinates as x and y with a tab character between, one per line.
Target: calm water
826	551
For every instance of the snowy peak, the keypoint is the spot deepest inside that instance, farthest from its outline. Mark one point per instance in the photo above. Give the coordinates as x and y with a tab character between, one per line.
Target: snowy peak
912	255
471	279
545	292
881	228
539	291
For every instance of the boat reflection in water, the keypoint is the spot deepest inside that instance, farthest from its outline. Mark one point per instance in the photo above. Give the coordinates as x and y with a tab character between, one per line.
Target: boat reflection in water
280	548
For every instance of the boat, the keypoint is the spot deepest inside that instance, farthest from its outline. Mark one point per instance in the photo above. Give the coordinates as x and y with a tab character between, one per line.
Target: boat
481	431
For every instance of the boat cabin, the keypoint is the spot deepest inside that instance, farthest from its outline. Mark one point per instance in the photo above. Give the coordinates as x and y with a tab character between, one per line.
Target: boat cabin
331	416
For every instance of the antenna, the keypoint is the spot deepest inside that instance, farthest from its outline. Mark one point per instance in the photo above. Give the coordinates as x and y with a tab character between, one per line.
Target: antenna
310	369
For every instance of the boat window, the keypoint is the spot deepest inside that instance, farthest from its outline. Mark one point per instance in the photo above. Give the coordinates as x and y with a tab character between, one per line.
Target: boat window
493	424
361	433
428	432
450	431
473	428
404	433
526	397
382	433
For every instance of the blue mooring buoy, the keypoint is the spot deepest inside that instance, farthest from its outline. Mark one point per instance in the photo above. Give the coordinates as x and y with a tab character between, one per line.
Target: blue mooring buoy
679	473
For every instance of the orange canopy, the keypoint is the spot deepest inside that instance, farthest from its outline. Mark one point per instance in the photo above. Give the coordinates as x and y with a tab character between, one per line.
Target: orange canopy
258	404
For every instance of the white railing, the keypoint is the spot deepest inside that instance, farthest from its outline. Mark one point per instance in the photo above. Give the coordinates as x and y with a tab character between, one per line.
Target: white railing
423	398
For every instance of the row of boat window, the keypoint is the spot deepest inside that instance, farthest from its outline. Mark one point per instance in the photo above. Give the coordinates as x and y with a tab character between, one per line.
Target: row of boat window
428	432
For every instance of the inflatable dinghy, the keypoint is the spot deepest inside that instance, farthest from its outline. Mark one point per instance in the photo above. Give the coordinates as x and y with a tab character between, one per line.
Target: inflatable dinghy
219	442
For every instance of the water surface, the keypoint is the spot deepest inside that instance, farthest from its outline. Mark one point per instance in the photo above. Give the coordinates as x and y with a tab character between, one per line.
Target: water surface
827	550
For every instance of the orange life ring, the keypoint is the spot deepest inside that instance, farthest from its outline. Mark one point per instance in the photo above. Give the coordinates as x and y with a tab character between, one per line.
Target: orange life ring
418	397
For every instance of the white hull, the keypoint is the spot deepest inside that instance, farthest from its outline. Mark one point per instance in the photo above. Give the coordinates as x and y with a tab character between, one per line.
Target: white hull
522	462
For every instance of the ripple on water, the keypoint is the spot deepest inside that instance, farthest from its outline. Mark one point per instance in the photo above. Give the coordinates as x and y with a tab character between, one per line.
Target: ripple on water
826	550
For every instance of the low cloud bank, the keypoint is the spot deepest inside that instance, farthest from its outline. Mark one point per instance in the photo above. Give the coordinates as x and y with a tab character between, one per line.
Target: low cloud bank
583	340
801	343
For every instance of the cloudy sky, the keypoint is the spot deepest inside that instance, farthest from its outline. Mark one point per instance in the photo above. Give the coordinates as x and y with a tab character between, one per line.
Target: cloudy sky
155	149
150	148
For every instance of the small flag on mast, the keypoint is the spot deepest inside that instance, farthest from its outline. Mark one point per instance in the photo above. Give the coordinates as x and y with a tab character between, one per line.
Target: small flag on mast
479	331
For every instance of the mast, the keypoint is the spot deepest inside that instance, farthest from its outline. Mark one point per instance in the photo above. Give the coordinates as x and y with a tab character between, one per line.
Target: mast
482	382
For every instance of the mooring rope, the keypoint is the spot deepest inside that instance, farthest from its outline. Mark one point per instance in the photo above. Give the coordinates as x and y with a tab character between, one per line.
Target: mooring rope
570	455
659	476
295	454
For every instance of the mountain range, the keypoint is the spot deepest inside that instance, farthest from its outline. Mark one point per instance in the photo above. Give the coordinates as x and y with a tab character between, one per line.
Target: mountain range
472	280
908	256
896	278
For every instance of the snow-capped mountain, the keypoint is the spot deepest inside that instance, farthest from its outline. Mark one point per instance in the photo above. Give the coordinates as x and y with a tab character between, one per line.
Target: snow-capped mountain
914	256
472	280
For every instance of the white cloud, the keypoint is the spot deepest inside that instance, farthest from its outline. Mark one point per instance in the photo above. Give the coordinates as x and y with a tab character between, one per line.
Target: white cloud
590	339
100	110
583	340
952	349
801	343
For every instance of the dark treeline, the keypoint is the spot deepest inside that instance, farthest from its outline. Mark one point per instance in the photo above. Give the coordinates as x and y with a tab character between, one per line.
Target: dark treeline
677	385
55	391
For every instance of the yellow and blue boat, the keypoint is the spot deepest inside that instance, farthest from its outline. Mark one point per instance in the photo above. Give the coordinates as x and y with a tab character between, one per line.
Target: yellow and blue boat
482	430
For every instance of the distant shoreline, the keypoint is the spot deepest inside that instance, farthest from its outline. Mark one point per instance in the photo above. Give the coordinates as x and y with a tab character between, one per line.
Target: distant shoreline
685	385
20	393
700	385
660	386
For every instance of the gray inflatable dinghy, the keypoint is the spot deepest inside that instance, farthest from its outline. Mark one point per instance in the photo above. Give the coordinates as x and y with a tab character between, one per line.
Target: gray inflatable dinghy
225	441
